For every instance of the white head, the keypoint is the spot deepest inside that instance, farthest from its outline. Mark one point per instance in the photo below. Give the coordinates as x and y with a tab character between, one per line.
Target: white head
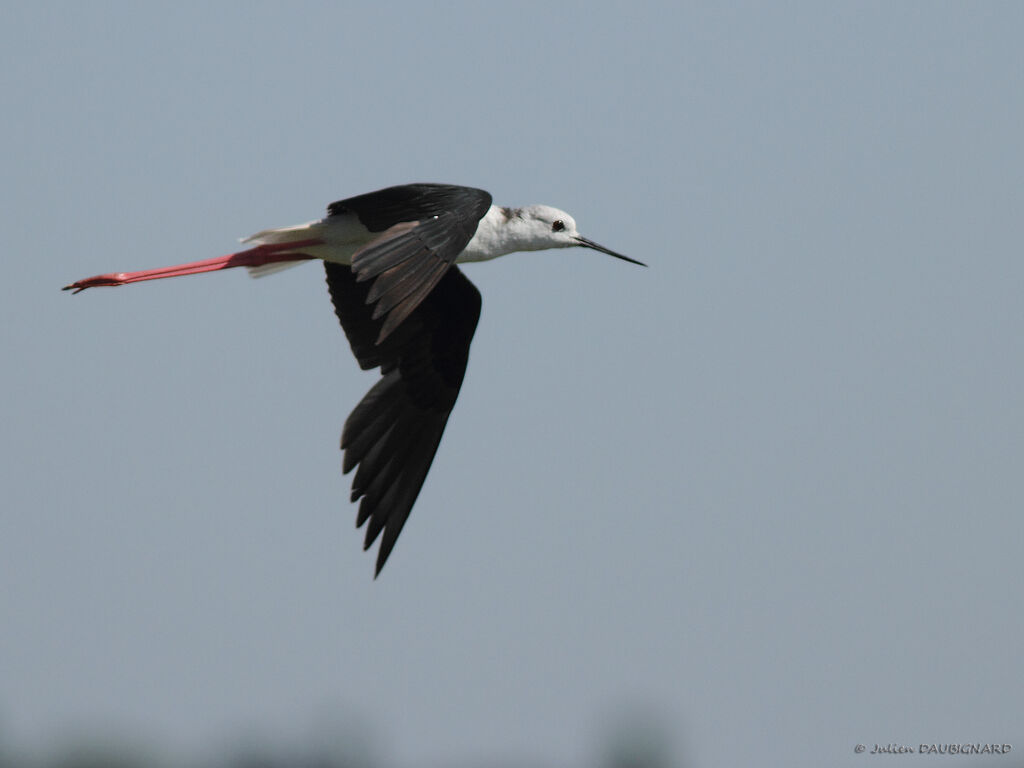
538	227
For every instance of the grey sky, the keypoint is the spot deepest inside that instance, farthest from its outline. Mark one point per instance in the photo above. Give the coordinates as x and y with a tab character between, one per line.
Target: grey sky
770	488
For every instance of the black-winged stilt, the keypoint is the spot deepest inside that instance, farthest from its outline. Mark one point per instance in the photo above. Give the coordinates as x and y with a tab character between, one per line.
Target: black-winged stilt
405	307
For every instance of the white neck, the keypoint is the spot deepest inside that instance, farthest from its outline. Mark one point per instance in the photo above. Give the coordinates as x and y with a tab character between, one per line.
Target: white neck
498	234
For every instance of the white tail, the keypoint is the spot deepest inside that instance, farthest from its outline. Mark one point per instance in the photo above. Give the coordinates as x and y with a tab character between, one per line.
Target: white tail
300	232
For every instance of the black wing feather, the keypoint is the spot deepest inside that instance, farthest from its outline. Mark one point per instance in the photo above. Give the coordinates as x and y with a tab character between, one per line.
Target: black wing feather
392	435
423	229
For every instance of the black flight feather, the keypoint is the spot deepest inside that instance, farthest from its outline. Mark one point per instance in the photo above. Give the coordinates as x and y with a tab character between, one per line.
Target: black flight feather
394	432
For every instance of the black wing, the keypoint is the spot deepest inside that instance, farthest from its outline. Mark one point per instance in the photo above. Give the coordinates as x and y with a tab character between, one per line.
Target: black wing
423	228
393	434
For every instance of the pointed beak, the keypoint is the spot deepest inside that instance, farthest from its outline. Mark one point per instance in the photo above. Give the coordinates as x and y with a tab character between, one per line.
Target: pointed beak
580	240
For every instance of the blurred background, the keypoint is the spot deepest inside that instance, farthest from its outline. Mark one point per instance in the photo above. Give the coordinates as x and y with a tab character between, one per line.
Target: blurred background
758	503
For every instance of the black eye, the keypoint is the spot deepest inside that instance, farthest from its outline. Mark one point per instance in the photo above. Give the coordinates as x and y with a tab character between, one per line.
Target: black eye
558	225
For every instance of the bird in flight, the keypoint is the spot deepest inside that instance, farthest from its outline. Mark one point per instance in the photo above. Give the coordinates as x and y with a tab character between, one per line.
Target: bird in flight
405	307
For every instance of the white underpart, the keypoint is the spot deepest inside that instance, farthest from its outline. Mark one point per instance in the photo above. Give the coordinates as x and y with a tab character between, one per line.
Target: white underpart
487	241
273	268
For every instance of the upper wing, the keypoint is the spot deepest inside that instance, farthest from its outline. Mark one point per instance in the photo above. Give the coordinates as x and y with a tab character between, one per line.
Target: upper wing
384	208
393	434
423	228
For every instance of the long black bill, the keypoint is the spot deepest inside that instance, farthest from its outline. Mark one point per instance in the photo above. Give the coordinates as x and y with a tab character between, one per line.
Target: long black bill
591	244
